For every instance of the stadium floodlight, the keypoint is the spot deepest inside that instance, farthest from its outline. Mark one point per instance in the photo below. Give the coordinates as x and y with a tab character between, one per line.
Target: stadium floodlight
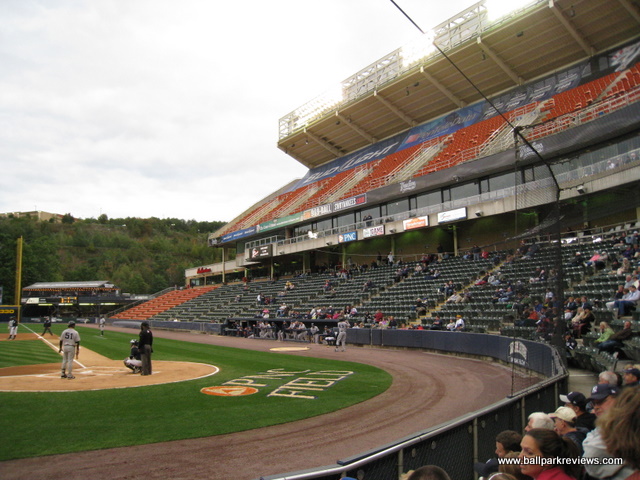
418	49
497	9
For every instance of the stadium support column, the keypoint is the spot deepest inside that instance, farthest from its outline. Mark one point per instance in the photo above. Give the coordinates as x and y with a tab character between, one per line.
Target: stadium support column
454	229
223	266
306	264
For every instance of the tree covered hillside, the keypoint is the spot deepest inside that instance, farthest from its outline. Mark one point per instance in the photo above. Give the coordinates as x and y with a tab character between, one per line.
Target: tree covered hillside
137	255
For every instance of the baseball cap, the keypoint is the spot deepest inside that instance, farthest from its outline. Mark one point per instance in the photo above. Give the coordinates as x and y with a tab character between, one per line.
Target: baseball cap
133	340
602	391
72	323
574	398
633	371
564	413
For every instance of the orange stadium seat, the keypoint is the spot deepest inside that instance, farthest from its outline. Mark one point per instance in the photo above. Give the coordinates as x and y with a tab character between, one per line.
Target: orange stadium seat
162	303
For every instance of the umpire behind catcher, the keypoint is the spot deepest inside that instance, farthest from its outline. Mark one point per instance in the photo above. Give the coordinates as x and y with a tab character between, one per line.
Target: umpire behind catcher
145	346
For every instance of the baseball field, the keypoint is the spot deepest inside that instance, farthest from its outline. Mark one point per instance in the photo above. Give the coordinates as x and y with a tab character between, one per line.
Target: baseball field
197	390
265	410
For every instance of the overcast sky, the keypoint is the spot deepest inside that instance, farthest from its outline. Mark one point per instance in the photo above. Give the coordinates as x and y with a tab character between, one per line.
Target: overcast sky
158	108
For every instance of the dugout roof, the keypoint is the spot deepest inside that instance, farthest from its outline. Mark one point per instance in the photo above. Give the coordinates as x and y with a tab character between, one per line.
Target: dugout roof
391	96
90	285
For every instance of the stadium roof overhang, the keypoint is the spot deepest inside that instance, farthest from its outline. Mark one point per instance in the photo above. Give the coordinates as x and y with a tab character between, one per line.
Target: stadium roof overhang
89	285
537	41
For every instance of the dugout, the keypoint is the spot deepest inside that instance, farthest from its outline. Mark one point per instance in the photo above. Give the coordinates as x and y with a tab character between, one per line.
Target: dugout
72	299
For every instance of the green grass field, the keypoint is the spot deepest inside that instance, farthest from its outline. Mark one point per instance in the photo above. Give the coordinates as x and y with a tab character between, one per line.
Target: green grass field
35	424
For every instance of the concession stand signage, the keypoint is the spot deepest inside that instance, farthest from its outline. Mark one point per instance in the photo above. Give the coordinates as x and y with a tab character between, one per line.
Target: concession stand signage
418	222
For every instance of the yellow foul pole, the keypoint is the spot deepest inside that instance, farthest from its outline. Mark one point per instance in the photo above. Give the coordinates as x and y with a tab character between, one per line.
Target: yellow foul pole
18	291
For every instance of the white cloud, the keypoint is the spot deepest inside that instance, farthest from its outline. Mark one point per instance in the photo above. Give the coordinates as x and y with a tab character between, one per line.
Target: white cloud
170	109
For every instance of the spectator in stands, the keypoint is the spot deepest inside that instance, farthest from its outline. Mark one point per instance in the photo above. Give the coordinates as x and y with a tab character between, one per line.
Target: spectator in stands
368	285
578	260
438	323
451	326
459	325
428	472
629	280
609	377
628	303
507	441
620	432
539	420
625	267
433	274
585	303
577	402
570	344
605	332
420	307
583	325
476	251
547	444
565	426
619	294
631	375
455	298
509	471
603	397
390	258
532	250
544	328
529	318
522	249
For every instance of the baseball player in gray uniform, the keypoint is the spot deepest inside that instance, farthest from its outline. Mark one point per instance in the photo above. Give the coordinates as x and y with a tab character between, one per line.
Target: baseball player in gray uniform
342	334
70	348
13	328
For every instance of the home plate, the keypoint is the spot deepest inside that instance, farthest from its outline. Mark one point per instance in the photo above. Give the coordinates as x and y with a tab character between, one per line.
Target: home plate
289	349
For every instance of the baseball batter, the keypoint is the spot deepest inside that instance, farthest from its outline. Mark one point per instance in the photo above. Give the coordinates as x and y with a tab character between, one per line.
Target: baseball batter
70	348
13	328
342	334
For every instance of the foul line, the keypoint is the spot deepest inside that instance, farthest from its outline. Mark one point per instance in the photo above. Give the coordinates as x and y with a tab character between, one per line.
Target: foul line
55	348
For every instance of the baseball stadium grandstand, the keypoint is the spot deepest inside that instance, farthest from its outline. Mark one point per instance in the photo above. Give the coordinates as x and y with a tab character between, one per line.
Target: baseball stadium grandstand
494	161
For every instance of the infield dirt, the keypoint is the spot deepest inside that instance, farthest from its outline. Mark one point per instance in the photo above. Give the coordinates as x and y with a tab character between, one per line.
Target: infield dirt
93	372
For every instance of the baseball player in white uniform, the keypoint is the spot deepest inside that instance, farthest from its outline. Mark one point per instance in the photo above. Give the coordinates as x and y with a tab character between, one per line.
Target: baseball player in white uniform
70	348
102	322
13	328
342	334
